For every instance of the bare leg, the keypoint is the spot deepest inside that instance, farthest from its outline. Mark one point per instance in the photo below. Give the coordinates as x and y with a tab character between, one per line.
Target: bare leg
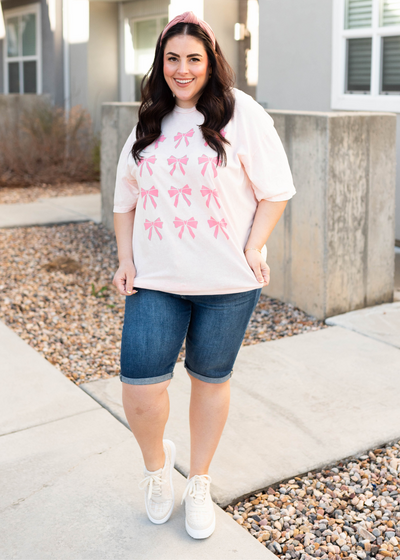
147	409
209	407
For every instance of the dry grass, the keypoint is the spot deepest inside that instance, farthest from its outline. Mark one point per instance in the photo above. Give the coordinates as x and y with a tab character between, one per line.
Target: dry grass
44	146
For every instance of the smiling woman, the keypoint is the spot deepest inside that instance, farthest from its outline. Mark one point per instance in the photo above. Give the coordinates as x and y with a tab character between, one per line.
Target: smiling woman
201	183
210	87
186	69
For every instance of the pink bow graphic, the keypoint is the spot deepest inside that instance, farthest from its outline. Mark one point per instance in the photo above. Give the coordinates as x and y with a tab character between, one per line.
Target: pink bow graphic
151	192
222	224
184	135
161	139
222	132
156	224
205	191
192	223
174	161
148	160
173	191
206	160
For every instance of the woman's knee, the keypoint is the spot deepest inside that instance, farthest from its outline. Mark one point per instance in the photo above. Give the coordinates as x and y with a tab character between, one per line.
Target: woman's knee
205	386
145	394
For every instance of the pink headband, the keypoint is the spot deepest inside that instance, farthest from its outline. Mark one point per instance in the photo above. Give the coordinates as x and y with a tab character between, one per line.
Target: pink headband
190	17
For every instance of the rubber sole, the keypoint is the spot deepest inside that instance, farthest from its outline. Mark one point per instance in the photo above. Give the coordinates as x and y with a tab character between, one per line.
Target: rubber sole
173	456
201	533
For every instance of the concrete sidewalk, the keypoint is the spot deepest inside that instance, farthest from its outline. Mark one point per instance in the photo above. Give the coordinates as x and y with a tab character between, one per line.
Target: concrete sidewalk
381	322
69	470
297	404
50	211
69	467
69	474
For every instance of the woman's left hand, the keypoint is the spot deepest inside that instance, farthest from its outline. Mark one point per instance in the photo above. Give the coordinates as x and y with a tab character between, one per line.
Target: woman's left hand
258	266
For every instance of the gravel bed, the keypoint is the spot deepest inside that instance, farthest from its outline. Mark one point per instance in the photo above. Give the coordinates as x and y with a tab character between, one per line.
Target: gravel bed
348	510
14	195
273	319
56	292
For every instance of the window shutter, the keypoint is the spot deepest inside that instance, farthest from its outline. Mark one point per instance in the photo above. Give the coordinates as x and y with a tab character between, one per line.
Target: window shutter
358	13
391	65
390	12
359	52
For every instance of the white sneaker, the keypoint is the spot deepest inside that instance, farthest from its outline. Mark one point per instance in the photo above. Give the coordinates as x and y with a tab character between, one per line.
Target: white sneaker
199	507
159	492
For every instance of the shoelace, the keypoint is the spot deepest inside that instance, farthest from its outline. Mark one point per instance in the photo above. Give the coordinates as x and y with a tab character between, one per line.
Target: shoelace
197	488
154	481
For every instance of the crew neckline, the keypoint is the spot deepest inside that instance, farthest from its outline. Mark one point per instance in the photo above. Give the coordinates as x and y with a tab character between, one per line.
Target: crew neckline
185	110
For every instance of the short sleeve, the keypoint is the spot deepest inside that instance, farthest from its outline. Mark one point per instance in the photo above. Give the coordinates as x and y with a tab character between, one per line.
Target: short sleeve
126	187
262	154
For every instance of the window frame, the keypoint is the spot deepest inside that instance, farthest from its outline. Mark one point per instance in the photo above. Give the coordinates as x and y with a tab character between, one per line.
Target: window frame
373	101
128	37
17	12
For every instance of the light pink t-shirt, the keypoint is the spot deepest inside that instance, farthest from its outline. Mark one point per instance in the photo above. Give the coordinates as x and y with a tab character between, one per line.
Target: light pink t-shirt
193	218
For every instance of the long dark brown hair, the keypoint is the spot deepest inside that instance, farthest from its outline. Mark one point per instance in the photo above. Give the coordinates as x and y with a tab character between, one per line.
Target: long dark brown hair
216	102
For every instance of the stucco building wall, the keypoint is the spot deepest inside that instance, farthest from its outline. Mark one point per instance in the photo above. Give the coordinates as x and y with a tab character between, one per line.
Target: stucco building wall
1	67
102	58
296	62
397	227
295	54
222	16
78	70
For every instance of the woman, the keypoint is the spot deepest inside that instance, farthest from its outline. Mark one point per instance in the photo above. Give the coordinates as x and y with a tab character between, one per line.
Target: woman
201	183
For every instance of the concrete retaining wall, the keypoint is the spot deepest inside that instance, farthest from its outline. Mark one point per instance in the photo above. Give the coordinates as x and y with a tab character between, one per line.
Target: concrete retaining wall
118	119
332	251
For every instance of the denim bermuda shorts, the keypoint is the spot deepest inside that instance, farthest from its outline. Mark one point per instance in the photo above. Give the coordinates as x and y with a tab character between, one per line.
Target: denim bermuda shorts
156	324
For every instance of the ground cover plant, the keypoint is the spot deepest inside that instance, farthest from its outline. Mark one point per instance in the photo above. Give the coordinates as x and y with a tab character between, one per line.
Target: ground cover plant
56	293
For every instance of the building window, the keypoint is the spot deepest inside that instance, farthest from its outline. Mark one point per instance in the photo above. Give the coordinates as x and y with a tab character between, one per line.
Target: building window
390	65
366	55
22	50
141	38
359	53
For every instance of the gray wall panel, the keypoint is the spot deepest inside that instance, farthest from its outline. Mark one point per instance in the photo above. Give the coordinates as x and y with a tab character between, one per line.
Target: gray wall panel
78	65
52	54
222	16
102	58
1	67
295	54
397	235
58	57
48	54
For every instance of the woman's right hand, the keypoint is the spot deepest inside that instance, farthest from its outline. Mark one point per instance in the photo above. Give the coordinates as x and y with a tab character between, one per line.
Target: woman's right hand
124	277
